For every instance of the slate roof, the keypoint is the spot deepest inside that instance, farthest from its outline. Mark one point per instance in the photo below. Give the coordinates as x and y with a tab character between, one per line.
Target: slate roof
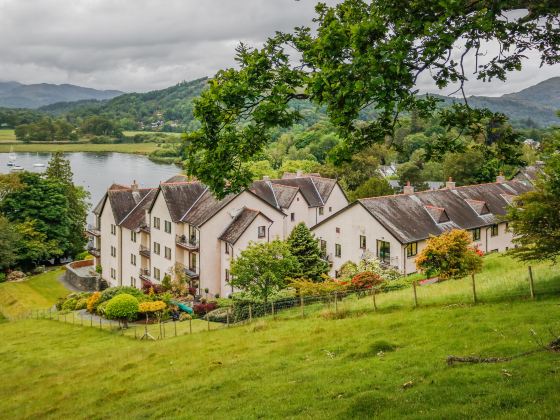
529	174
181	196
281	192
414	217
136	218
239	225
205	207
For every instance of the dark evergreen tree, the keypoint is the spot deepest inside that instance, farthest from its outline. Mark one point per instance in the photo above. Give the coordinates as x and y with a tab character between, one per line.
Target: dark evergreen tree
305	247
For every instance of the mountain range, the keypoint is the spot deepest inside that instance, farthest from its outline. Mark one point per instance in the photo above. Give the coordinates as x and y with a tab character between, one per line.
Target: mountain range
19	95
534	106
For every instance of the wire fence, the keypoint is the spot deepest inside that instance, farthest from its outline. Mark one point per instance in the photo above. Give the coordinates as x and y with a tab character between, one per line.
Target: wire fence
329	305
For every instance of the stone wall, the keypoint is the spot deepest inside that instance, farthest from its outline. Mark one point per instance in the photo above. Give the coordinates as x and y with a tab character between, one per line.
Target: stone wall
79	274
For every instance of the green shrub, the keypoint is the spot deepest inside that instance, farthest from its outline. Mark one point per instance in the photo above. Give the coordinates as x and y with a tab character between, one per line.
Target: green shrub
111	292
123	307
81	304
2	277
81	256
69	304
101	308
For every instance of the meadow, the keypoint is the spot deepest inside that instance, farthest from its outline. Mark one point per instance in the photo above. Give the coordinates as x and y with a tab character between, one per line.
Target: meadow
138	148
389	363
7	136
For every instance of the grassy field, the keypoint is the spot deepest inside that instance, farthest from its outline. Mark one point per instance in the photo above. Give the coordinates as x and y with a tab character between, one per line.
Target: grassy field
138	148
316	367
42	291
7	135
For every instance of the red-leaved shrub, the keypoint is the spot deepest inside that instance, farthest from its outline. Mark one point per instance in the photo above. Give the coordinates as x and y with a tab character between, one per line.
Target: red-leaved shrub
204	308
366	280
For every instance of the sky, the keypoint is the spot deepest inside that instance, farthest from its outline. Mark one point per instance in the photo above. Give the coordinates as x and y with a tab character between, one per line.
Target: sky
142	45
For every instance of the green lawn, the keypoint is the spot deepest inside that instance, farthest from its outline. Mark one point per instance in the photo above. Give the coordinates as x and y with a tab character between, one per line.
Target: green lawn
138	148
37	292
7	135
317	367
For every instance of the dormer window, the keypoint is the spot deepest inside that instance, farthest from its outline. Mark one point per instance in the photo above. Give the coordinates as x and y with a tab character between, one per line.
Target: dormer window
438	214
479	207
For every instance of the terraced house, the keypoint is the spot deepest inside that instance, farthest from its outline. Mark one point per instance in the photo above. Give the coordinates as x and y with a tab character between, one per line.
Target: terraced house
395	228
140	235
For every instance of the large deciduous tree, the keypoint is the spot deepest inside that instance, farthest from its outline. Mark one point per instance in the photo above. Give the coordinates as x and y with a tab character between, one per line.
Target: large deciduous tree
535	217
305	247
362	53
263	268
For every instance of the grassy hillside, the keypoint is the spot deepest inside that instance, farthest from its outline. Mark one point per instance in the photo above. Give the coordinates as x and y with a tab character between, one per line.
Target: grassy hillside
42	291
356	366
138	148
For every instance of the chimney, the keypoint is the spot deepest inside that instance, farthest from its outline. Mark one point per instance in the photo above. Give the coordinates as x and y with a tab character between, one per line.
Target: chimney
134	186
147	217
450	184
500	179
408	189
266	178
299	173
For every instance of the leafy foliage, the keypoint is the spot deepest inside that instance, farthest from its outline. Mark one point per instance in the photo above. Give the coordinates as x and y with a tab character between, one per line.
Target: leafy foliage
122	306
155	306
366	280
263	268
93	301
449	255
535	217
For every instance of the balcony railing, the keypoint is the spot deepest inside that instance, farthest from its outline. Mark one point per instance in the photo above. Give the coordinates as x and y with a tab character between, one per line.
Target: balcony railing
144	251
145	229
187	242
93	230
328	258
96	252
145	274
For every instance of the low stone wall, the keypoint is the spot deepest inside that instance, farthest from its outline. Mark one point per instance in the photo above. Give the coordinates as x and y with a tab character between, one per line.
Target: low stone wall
79	274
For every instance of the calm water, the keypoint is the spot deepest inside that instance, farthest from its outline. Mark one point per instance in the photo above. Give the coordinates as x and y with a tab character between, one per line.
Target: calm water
96	171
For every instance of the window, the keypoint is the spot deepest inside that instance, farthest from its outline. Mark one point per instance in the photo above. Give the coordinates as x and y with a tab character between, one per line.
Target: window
494	231
132	259
412	249
167	226
132	282
323	245
156	223
113	273
337	250
157	248
337	230
192	266
292	216
362	242
227	248
133	236
167	253
330	209
476	234
262	231
321	211
227	275
113	229
157	275
384	251
113	251
507	227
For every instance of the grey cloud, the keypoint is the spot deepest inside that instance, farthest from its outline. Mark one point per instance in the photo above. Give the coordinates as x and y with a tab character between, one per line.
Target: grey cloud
146	44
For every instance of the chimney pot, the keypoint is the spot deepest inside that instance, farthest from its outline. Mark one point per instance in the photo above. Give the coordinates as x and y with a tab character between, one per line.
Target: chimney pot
266	178
450	184
134	186
501	178
408	189
299	173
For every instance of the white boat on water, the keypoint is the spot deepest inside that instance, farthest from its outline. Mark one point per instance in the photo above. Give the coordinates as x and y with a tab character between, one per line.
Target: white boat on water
38	165
12	156
16	168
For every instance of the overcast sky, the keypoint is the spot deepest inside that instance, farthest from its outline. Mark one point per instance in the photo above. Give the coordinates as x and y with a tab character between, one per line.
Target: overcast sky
140	45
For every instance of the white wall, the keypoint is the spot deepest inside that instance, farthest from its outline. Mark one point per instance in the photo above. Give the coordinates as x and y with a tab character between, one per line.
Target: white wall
108	240
301	210
128	248
164	239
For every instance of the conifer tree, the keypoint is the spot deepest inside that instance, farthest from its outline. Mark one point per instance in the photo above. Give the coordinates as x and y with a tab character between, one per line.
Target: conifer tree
305	247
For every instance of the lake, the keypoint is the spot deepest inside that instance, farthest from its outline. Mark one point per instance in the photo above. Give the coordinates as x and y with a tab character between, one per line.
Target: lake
96	171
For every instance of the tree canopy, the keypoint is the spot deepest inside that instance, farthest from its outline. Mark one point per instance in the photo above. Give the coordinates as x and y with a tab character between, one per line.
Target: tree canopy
305	247
361	54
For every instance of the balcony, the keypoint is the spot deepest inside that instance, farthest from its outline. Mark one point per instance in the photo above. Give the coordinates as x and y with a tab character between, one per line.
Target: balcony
191	273
144	251
145	229
145	274
190	243
328	258
93	230
96	252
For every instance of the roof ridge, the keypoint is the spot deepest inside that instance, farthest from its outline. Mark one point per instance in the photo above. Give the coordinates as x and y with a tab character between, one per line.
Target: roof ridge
269	185
193	204
317	191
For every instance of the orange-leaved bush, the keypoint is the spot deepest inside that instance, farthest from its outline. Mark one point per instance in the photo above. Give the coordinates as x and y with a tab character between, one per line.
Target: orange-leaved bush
93	301
366	280
449	256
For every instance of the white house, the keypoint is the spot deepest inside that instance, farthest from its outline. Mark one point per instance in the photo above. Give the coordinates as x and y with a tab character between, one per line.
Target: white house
395	228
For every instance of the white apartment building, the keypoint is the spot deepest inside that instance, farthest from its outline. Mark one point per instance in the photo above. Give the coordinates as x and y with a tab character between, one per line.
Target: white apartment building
143	234
395	228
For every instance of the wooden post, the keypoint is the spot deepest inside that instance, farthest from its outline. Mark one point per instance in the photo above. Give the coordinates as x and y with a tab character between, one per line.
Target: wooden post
374	303
91	320
135	336
273	313
415	295
227	317
250	313
100	326
531	284
208	321
336	302
190	325
175	325
302	306
474	288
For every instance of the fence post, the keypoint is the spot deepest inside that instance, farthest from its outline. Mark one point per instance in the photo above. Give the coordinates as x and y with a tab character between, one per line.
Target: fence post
208	320
175	326
227	317
302	306
250	313
374	303
473	288
91	320
73	318
415	295
336	302
100	326
190	325
531	285
273	313
135	336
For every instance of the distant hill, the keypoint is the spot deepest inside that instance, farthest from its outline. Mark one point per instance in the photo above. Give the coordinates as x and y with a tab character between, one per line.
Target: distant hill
18	95
173	106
